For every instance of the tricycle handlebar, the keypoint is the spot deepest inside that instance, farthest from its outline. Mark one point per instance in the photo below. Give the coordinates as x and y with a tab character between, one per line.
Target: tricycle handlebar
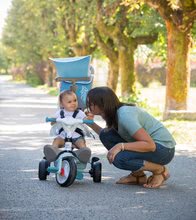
50	119
86	121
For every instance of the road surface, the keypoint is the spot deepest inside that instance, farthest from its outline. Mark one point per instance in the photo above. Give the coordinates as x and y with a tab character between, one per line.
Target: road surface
23	133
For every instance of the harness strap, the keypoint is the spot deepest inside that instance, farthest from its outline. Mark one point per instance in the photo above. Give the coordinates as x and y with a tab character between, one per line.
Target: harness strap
78	130
75	113
62	113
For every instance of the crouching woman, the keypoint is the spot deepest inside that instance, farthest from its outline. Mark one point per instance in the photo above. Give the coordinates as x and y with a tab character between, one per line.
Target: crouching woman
135	140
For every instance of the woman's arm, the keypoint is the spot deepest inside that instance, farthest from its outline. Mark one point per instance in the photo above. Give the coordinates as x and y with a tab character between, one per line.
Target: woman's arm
143	143
95	127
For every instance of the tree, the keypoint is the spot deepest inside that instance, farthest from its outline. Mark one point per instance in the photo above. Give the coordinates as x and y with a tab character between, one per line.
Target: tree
123	30
179	16
108	48
77	25
179	19
33	35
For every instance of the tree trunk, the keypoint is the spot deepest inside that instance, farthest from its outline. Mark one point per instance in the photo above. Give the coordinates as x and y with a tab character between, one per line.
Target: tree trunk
126	69
178	72
50	74
112	80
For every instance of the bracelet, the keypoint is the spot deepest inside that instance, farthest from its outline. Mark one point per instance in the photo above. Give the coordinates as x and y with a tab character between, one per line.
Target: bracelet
122	147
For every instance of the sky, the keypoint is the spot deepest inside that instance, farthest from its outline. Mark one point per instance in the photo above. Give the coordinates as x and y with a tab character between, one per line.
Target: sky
4	6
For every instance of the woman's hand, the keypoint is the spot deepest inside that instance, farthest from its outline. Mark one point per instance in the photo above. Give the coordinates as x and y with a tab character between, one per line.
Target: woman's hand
89	115
113	151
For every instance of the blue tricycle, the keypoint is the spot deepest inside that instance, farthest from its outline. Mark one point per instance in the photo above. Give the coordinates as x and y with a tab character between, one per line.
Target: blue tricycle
68	165
73	73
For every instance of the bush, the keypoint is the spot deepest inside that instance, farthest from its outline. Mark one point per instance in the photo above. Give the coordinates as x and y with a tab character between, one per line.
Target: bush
136	99
32	79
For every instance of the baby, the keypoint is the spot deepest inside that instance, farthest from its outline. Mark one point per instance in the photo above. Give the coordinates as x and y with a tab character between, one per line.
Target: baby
68	103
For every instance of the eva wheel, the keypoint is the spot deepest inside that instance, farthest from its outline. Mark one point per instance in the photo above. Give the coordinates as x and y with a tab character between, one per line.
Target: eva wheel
68	172
42	173
96	172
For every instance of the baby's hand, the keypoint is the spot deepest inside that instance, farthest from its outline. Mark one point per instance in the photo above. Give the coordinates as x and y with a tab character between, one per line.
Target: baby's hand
52	123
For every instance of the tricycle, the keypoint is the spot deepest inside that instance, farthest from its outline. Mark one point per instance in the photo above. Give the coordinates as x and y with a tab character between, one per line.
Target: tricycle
68	165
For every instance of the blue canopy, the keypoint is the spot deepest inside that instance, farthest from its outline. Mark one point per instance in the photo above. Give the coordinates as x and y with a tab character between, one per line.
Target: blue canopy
72	67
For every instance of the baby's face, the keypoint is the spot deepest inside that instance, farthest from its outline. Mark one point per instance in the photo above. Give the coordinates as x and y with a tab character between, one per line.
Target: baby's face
70	102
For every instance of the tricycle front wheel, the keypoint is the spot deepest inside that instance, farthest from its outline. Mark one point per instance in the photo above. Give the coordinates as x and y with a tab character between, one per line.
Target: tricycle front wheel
68	172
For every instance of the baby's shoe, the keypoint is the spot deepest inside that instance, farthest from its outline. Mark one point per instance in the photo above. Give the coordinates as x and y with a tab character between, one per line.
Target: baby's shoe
83	154
51	153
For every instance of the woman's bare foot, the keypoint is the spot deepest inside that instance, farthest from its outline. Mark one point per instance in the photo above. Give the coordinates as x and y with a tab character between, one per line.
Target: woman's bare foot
158	178
134	178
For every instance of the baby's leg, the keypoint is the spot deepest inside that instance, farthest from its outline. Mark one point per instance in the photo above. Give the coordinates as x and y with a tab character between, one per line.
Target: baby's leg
58	142
80	142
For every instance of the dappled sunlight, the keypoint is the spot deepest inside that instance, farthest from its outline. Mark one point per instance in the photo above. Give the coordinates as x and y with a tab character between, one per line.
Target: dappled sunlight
185	150
140	192
16	129
23	133
98	151
20	148
27	115
135	207
104	178
27	106
28	171
21	138
35	179
50	100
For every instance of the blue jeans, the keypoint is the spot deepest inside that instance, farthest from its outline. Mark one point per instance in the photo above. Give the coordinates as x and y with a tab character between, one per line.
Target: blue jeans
132	160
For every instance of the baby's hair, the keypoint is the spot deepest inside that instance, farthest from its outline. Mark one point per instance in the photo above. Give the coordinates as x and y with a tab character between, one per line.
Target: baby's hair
64	93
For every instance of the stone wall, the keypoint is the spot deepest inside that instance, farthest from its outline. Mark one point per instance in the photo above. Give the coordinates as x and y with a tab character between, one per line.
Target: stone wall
146	75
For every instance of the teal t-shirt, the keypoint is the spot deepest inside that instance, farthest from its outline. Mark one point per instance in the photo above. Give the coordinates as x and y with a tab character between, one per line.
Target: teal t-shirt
132	118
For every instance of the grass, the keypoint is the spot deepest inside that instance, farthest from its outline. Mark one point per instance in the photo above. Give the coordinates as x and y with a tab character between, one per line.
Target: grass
50	90
53	91
184	132
153	98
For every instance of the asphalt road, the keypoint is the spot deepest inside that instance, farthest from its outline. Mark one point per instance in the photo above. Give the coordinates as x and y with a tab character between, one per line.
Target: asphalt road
23	133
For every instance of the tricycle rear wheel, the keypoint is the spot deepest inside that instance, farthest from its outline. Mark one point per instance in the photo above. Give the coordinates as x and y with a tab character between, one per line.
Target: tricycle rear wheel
42	173
96	172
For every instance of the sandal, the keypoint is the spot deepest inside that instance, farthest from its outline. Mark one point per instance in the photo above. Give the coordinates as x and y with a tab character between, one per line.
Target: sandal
140	179
150	178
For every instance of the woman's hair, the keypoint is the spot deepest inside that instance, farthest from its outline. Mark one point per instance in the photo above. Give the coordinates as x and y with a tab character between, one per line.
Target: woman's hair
108	102
64	93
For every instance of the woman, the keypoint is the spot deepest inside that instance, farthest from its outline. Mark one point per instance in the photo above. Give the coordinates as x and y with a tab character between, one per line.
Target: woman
135	140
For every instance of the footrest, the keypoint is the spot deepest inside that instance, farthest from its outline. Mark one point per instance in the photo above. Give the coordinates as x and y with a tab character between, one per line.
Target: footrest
52	169
79	175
